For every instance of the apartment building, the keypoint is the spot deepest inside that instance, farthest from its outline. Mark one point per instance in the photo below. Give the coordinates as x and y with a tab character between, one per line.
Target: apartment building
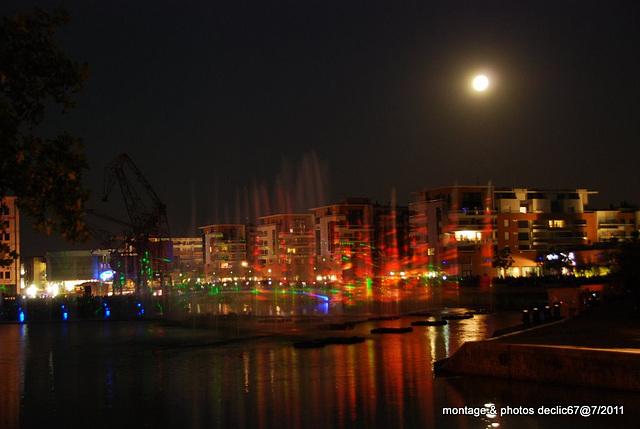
286	246
391	240
225	251
448	231
345	239
615	225
188	258
452	230
10	241
455	230
534	223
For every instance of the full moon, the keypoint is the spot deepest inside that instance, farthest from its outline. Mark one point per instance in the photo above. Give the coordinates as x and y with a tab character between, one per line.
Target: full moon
480	83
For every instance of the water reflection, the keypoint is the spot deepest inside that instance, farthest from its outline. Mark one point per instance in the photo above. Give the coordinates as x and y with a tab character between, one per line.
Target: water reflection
11	374
111	374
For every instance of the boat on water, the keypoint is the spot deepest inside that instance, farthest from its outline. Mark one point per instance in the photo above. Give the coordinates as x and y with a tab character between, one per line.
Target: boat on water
429	323
344	340
309	344
402	330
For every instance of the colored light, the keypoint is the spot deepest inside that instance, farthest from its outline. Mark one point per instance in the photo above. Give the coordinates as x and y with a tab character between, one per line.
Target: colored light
21	316
106	275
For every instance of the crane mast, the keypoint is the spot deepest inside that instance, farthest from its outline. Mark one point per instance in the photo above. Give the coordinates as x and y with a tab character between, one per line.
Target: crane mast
148	239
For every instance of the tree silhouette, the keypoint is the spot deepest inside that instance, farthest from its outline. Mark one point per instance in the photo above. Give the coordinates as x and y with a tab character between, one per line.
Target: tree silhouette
44	173
502	259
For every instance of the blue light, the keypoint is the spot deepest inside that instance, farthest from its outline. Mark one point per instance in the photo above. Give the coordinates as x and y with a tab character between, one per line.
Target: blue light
107	312
322	297
106	275
65	315
315	295
21	316
323	308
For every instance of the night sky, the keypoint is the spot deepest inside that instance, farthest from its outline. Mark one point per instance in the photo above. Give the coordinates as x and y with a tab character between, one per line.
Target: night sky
219	102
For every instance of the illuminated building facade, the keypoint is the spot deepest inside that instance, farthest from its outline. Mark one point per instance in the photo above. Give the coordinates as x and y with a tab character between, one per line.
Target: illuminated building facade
35	274
448	231
78	271
10	239
456	230
188	258
225	251
453	231
615	225
286	247
391	240
345	239
533	223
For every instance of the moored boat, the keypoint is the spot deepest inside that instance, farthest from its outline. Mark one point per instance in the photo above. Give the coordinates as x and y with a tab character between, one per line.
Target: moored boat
309	344
344	340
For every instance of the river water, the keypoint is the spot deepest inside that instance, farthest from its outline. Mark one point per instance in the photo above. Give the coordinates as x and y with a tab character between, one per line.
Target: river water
100	374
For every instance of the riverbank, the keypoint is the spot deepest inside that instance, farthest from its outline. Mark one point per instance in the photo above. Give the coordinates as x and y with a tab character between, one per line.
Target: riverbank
600	348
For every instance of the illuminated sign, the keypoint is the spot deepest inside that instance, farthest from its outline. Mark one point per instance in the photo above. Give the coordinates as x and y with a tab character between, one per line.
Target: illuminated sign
106	275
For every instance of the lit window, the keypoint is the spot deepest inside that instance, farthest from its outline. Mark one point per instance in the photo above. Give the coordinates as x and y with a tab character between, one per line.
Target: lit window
467	235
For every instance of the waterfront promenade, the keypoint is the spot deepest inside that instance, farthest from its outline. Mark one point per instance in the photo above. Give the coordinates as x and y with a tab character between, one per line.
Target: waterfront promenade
613	326
599	348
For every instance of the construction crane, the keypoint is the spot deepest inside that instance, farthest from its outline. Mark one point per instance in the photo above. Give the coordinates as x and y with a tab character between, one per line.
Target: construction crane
148	239
123	264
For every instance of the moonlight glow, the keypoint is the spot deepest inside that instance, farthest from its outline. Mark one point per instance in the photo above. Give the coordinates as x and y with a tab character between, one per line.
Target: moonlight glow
480	83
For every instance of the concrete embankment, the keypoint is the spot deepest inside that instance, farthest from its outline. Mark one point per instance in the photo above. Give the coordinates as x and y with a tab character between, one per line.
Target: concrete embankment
607	368
600	349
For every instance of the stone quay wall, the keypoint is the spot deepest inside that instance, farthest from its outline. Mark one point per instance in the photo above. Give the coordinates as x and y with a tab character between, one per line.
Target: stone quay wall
606	368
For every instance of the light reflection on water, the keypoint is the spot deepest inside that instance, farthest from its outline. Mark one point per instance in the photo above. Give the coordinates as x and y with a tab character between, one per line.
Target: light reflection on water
155	375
